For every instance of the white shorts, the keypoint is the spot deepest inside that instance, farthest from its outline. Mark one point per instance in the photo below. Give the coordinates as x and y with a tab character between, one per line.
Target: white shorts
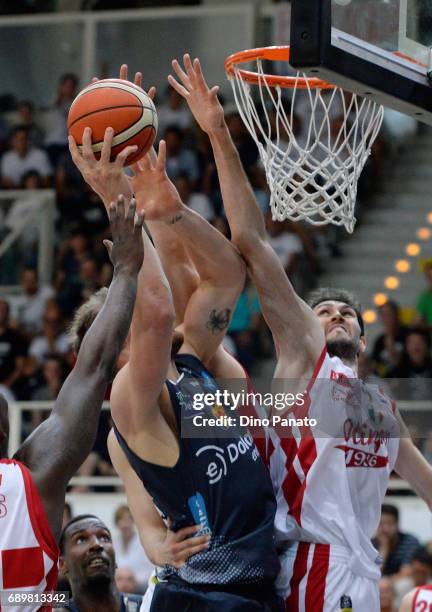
314	577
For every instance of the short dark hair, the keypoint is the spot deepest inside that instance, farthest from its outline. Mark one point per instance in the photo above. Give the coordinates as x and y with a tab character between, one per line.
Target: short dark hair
419	331
422	556
390	509
75	519
326	294
84	317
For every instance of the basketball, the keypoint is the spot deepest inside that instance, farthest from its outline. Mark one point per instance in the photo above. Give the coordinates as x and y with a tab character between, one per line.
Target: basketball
118	104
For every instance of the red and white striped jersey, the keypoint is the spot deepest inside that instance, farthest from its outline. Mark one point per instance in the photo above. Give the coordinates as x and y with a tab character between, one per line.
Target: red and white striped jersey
422	601
330	480
28	551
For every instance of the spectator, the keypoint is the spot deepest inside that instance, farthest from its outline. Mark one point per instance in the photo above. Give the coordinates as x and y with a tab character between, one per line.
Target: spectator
53	339
198	202
126	581
388	347
28	309
244	143
173	112
22	158
128	548
27	120
89	277
179	159
29	381
88	560
415	364
286	243
387	595
13	349
421	567
396	548
424	300
53	372
56	141
24	215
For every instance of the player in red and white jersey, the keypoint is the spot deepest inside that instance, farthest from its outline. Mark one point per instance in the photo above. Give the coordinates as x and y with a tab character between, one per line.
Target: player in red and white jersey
33	483
418	600
332	568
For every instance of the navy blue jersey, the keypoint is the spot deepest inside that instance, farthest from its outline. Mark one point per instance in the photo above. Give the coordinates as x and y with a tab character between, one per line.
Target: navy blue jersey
220	483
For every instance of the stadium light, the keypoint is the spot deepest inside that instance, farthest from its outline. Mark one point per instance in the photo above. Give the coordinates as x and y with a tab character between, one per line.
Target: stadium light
369	316
391	282
412	249
423	233
380	299
402	265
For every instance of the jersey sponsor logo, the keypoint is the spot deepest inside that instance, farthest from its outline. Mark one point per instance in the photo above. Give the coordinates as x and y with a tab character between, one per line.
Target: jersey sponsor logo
364	435
346	603
220	459
341	379
198	509
359	458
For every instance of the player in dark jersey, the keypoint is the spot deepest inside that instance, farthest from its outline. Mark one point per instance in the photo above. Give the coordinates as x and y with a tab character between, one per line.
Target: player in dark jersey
219	483
55	450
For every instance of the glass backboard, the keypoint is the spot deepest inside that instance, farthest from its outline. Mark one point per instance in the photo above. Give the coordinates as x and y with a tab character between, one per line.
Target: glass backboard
378	48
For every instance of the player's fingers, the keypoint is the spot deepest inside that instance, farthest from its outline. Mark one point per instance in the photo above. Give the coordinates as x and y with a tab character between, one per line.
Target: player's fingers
193	550
107	144
121	158
94	80
136	167
161	158
186	532
74	151
146	163
189	67
87	151
199	74
139	221
120	207
130	213
138	79
180	73
214	91
113	216
151	92
176	85
123	72
190	543
152	155
108	245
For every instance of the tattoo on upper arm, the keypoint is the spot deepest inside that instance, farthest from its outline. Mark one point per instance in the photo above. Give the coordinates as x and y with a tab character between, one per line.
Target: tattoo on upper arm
218	320
175	219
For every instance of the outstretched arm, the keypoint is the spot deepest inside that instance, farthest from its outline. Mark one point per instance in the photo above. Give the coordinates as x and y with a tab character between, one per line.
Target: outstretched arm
218	264
293	324
60	444
136	389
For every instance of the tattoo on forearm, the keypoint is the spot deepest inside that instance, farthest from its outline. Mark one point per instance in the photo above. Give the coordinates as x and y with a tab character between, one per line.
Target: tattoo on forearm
218	320
175	219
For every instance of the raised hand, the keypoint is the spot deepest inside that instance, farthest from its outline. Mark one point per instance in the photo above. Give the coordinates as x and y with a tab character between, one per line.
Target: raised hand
155	194
126	250
105	177
202	101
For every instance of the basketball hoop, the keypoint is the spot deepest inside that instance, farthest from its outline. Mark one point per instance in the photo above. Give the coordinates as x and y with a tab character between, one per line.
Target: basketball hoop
312	175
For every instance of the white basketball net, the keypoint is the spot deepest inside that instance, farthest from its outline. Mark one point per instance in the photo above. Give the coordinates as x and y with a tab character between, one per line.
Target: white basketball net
313	177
